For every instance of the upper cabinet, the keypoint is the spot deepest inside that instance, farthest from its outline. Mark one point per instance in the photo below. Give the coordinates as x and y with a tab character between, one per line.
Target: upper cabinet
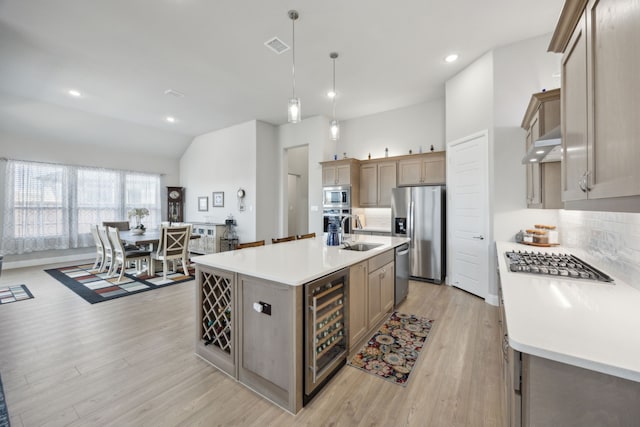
422	169
345	172
339	172
543	179
600	107
377	178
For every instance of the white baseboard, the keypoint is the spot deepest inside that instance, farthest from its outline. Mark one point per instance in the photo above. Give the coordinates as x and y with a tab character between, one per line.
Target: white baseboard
44	261
492	299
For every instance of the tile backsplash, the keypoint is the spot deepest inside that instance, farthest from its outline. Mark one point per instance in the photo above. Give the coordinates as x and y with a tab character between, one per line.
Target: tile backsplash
613	238
375	217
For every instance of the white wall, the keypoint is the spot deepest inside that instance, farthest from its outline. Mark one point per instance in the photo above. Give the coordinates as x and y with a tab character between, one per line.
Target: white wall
224	160
298	165
520	69
313	132
469	100
399	130
493	93
31	148
268	164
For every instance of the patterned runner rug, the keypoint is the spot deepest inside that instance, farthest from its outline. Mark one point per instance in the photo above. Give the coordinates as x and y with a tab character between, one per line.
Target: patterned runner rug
4	414
14	293
97	287
393	351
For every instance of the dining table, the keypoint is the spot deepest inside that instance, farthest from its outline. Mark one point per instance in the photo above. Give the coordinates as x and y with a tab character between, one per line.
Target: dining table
149	237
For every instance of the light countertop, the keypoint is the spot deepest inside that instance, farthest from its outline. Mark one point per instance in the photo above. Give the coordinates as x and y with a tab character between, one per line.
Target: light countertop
297	262
585	323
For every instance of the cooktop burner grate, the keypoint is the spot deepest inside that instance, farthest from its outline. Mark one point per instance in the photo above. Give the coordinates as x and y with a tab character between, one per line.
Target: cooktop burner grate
561	265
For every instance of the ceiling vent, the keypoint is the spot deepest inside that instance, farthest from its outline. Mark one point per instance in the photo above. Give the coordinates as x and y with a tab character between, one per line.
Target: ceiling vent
276	45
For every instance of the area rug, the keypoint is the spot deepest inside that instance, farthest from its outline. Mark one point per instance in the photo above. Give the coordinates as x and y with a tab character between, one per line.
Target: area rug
14	293
4	414
393	351
97	287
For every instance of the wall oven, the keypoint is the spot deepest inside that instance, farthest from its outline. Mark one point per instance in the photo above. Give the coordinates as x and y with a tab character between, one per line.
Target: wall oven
325	349
336	197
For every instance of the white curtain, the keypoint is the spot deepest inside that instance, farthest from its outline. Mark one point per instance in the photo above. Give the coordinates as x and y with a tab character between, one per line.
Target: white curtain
49	206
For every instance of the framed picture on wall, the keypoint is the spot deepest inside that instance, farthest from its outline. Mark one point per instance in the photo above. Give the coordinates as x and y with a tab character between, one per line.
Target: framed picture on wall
218	199
203	204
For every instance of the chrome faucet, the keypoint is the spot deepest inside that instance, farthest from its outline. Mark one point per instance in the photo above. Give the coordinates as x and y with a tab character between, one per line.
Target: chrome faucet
345	217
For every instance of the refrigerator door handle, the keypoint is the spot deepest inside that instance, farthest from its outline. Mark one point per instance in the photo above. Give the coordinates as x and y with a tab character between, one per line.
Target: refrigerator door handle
412	228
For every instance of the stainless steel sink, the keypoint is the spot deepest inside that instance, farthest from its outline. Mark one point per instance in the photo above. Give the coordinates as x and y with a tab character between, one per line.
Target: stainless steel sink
360	247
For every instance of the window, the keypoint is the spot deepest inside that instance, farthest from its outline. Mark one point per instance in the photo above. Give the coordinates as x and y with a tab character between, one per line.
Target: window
51	206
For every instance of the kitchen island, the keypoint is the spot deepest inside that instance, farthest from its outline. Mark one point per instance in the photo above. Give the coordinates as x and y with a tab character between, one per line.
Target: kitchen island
251	307
571	351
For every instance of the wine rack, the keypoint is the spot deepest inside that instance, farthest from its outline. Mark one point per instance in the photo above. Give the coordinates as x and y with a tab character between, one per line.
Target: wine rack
216	311
326	333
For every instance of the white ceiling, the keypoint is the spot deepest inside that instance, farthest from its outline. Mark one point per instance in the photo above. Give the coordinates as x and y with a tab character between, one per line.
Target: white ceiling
123	54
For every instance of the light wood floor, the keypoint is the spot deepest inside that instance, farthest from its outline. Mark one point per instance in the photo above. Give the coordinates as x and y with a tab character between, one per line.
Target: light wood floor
130	362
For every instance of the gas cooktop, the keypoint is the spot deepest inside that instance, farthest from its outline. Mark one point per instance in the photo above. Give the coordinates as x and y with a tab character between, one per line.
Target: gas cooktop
561	265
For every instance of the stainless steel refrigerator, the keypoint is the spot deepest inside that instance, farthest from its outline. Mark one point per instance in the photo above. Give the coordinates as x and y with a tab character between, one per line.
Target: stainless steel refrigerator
419	213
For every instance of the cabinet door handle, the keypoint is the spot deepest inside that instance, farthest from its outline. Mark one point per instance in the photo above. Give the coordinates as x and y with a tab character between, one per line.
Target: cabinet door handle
587	174
581	183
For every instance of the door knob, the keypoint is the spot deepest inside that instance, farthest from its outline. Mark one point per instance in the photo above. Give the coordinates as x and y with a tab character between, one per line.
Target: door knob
479	237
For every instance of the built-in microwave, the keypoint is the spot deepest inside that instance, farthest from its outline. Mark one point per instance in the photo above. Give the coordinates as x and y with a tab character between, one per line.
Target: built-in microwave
336	197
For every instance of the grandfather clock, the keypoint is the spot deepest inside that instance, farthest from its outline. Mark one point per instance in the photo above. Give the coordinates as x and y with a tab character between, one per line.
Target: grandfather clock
175	204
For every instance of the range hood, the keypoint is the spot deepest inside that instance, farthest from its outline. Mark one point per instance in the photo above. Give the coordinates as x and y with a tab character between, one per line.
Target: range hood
545	149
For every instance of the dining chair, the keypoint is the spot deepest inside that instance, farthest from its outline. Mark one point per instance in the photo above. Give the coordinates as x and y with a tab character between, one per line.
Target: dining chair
250	244
122	257
99	247
108	249
306	236
173	245
283	239
120	225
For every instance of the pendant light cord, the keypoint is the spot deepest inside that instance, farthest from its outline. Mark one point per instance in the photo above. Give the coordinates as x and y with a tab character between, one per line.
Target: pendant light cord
293	25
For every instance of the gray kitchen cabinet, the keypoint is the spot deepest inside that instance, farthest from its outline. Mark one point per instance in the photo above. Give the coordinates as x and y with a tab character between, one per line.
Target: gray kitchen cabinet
371	293
381	284
340	172
377	178
422	169
270	342
541	117
358	320
600	106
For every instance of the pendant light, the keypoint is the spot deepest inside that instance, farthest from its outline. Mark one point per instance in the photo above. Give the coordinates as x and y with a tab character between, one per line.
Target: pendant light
334	126
294	114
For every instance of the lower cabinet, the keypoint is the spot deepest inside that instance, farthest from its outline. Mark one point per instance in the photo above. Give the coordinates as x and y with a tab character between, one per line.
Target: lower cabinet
358	321
371	293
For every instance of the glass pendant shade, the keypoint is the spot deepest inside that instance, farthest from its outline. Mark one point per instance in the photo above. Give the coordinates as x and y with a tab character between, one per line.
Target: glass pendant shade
334	127
294	110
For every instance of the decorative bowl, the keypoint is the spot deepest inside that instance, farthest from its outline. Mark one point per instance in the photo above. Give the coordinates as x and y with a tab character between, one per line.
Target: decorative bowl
137	231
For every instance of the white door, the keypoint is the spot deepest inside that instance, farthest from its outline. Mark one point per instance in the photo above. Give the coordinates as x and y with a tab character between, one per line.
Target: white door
468	213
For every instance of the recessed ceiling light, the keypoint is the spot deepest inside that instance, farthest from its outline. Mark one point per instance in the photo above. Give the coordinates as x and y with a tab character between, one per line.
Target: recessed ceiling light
170	119
540	152
331	94
451	58
533	160
75	93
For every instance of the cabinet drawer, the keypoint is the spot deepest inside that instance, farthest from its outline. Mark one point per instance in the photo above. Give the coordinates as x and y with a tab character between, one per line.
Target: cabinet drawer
379	260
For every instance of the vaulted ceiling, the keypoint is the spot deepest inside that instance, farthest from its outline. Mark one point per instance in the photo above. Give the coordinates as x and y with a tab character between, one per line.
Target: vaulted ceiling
122	55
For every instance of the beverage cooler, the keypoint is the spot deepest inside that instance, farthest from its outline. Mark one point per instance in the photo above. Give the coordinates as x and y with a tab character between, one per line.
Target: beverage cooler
326	334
